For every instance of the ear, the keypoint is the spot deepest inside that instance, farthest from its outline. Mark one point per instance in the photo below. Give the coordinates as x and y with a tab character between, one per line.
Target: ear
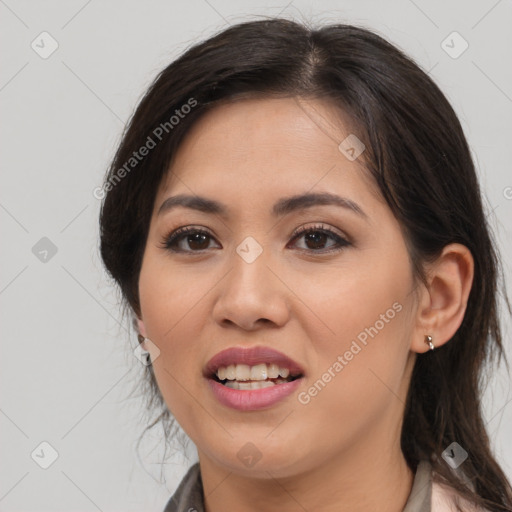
444	300
141	327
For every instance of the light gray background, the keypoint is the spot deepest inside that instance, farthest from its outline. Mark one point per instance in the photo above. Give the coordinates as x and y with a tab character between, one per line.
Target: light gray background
66	365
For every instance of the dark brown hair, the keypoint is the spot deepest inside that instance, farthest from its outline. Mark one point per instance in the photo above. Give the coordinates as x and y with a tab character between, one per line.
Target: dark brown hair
416	153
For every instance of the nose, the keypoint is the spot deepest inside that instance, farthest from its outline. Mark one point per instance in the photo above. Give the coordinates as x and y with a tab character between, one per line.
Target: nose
252	296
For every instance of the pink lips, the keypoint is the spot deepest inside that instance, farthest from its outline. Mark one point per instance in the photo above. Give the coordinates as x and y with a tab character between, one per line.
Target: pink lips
253	399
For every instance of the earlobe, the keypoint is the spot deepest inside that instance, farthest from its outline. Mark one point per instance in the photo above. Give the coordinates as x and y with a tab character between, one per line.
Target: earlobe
444	300
429	341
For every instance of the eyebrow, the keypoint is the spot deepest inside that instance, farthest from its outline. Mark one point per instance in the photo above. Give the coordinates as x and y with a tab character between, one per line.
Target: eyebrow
282	207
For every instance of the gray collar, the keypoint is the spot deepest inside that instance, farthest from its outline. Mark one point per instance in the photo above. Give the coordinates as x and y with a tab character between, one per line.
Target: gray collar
189	494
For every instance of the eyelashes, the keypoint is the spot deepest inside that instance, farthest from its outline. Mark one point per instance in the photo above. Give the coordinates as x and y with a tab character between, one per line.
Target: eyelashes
199	239
325	233
171	241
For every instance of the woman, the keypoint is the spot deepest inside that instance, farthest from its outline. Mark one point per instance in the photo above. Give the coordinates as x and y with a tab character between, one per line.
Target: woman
294	219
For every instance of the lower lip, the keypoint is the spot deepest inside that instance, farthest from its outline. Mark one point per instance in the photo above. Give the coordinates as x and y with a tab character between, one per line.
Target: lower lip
252	399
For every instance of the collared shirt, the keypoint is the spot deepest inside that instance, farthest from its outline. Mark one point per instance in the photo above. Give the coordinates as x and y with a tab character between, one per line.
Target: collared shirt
189	494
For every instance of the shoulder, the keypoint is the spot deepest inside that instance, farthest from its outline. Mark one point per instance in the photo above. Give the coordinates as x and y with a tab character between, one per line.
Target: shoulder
444	499
189	494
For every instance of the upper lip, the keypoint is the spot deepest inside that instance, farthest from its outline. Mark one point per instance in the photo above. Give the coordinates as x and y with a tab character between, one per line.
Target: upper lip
251	356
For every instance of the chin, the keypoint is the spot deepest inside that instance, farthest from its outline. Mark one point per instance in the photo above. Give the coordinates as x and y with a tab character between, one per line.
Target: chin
259	460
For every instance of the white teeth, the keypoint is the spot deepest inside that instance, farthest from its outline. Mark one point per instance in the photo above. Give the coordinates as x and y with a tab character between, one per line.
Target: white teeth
259	372
243	372
261	384
230	372
233	384
273	371
284	372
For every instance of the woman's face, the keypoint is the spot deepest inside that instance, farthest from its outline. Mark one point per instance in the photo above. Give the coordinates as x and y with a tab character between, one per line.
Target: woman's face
336	298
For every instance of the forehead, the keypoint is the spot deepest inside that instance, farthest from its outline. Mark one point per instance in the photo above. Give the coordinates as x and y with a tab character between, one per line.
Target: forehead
263	147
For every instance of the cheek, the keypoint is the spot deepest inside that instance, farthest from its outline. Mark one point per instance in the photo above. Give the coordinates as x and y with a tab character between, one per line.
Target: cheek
359	376
172	304
167	303
365	309
368	291
169	296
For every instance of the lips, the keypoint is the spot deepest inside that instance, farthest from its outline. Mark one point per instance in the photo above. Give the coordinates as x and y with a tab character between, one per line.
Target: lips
251	357
249	381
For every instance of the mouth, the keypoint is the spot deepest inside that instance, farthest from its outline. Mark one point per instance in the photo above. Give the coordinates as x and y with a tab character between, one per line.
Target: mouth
252	378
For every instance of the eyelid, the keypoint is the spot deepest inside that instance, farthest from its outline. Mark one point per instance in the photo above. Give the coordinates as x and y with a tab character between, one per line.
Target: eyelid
319	226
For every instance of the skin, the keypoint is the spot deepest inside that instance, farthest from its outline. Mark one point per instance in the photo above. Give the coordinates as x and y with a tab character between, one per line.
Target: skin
341	451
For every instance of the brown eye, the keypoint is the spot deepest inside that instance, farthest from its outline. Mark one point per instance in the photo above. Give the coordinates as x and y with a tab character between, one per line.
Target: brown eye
196	239
316	238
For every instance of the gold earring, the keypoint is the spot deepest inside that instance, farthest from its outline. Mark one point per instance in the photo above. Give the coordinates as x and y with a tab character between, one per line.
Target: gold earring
428	341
